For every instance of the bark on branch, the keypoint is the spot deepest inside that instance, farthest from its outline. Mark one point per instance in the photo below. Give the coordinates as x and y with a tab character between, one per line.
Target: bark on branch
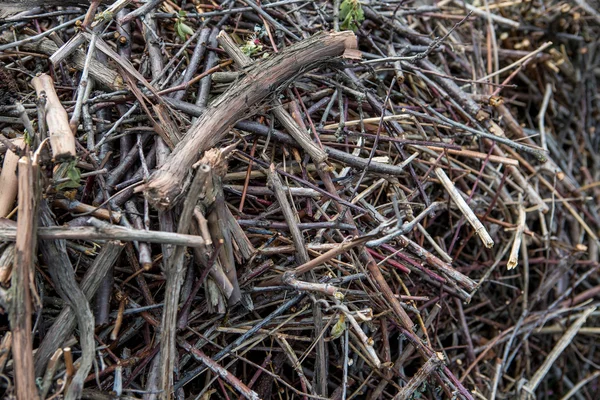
239	102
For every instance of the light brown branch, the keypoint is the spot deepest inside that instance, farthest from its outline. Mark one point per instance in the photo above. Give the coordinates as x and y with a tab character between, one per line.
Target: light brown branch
62	140
8	181
238	102
25	250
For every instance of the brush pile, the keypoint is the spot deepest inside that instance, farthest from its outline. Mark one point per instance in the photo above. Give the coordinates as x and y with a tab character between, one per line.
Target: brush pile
300	199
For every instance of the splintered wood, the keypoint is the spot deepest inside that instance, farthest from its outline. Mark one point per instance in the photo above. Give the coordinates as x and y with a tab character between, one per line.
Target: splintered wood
299	200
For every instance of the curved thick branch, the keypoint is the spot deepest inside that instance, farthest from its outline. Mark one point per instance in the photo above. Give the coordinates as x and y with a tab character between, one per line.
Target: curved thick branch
239	102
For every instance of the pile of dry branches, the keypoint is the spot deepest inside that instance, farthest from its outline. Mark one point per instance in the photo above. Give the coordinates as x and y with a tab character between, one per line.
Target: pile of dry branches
300	199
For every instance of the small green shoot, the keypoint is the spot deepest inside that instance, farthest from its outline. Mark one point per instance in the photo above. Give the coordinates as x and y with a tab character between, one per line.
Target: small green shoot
252	46
182	29
351	14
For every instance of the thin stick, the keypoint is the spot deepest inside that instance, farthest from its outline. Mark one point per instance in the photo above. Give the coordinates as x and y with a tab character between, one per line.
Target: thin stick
227	349
5	347
373	120
104	231
516	63
422	374
576	389
464	207
84	81
542	116
497	375
222	372
303	139
70	368
513	259
561	345
325	288
292	222
50	371
368	343
36	38
479	155
65	322
323	258
63	275
231	48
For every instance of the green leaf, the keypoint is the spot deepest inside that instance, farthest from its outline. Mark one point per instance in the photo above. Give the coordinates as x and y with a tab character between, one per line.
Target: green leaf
180	33
345	9
186	29
339	328
351	14
250	48
70	171
360	15
74	174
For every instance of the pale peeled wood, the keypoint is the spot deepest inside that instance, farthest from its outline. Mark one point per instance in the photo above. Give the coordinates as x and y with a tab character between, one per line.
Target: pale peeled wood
8	180
62	140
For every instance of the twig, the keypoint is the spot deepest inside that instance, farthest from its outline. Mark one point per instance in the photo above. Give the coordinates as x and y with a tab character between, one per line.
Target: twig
421	376
227	349
464	207
82	91
222	372
63	276
561	345
65	322
513	259
516	63
275	183
35	38
105	231
542	116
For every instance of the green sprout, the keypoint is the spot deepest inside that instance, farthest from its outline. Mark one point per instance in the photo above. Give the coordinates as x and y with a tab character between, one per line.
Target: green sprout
352	14
182	29
252	46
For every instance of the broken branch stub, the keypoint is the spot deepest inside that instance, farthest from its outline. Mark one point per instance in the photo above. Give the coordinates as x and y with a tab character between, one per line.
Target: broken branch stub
62	140
240	101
